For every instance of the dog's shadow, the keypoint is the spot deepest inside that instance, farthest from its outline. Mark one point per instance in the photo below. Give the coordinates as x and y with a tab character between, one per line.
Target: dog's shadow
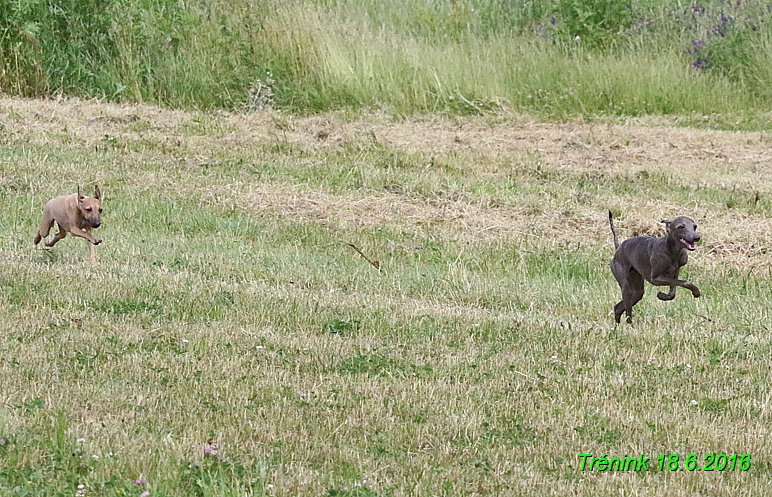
46	257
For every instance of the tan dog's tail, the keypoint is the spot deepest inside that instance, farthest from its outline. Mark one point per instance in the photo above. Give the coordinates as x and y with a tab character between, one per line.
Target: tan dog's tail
613	231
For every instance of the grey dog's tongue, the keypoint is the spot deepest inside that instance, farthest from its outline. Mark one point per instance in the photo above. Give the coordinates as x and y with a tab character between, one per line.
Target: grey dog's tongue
690	246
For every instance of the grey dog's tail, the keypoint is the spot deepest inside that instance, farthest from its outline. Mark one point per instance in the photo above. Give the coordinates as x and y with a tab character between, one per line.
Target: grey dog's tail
613	231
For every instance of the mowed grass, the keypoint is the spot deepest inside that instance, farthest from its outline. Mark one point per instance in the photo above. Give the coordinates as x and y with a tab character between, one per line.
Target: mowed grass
227	308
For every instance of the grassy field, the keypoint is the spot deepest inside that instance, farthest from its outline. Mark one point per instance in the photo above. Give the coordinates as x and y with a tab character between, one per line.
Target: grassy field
481	358
555	59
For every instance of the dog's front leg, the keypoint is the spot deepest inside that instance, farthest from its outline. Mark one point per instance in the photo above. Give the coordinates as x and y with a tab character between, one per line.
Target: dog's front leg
92	251
92	241
86	234
672	282
667	296
671	294
92	246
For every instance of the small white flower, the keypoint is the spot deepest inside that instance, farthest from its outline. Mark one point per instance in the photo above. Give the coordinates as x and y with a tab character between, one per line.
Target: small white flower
184	341
693	402
81	486
577	38
95	456
688	366
554	357
80	440
270	485
260	347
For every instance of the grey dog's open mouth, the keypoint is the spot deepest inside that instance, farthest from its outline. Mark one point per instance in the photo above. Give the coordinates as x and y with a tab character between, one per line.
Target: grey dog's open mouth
689	245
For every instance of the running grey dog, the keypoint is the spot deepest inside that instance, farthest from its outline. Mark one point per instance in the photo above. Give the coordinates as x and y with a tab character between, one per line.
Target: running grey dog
76	214
657	260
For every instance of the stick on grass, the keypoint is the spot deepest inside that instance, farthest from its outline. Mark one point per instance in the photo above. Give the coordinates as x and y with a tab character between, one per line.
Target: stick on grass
375	264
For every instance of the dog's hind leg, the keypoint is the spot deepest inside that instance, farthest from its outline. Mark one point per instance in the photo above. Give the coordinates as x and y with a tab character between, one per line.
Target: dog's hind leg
634	292
58	236
45	226
620	273
619	309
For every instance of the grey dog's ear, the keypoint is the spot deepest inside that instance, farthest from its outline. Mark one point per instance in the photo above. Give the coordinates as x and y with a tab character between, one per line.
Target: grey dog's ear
665	222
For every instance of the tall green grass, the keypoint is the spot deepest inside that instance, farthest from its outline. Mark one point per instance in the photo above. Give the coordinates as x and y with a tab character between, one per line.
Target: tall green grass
554	58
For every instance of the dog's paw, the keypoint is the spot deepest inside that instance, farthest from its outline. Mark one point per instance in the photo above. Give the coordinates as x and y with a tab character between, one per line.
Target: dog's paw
665	296
97	241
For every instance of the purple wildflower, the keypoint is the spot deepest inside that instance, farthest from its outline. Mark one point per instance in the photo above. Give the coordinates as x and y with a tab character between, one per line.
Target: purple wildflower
553	21
698	9
210	449
724	19
696	46
146	493
140	482
700	64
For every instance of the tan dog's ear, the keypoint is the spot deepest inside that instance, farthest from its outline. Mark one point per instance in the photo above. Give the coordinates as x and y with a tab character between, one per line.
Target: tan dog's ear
97	193
80	197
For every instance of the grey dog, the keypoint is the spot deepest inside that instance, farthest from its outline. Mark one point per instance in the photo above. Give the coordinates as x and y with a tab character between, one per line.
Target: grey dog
657	260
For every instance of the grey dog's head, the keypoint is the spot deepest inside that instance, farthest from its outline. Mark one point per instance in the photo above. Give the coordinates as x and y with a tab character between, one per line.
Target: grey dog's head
683	230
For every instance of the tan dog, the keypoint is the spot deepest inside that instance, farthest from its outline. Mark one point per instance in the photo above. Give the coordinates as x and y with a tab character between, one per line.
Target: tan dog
74	213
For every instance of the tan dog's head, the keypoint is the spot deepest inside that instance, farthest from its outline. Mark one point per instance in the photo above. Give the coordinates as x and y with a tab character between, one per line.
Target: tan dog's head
91	207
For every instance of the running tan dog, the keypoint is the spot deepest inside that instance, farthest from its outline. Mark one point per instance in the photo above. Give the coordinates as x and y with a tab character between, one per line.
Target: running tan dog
74	213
